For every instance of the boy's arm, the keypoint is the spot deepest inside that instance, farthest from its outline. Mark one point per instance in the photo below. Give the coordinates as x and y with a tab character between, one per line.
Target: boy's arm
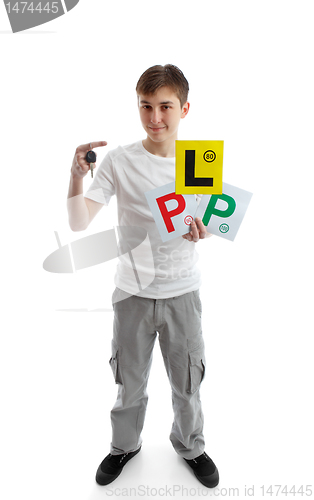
81	210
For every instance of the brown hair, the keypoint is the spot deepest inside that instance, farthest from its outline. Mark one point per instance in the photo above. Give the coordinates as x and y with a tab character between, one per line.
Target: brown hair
164	76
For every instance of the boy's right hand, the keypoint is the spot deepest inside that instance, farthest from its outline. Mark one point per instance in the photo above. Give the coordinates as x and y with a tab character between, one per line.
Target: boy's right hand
80	166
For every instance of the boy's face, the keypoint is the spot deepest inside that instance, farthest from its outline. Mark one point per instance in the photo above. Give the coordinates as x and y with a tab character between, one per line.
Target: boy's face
160	114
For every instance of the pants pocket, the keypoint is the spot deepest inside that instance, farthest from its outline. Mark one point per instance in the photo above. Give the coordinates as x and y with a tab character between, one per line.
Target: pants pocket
197	302
114	362
196	365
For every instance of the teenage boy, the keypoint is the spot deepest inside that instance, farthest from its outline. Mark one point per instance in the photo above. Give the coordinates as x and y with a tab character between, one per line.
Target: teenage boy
170	305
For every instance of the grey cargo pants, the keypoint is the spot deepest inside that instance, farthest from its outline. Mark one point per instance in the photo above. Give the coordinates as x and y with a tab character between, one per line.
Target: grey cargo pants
136	324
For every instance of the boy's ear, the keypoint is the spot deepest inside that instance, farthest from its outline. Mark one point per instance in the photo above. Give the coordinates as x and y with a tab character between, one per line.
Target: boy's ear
185	109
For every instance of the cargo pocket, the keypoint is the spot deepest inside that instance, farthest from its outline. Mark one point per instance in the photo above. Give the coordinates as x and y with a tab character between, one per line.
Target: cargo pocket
196	364
114	362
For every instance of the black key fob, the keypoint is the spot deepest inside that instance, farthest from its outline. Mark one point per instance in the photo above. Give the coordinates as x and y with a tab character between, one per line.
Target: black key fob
90	157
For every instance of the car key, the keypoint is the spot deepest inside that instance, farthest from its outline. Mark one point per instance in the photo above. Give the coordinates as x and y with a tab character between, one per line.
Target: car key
91	158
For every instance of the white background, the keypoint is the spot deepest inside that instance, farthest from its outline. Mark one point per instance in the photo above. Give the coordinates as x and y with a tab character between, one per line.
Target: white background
72	81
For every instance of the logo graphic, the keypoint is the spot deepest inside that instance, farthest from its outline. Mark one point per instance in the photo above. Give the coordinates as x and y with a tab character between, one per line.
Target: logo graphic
188	219
25	15
199	167
129	243
209	156
223	228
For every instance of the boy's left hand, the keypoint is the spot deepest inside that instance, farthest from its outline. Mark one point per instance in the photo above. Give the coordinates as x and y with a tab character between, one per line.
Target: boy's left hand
198	231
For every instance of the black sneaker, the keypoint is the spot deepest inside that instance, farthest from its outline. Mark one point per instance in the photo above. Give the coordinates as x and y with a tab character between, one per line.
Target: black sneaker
112	466
205	470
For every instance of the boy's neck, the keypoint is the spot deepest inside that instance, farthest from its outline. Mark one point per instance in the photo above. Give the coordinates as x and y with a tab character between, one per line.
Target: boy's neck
166	149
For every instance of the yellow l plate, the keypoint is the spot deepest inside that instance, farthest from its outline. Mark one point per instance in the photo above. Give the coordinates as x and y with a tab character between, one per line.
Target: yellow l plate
199	167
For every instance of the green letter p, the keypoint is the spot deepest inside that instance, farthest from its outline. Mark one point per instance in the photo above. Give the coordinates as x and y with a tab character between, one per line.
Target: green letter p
211	210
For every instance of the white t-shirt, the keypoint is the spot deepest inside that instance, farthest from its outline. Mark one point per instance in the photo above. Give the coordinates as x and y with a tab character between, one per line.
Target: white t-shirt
153	269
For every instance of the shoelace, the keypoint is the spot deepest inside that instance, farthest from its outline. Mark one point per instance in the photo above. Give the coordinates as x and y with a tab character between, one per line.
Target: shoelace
201	458
123	457
114	458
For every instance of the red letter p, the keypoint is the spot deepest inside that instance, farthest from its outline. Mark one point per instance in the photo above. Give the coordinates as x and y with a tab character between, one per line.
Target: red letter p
167	215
